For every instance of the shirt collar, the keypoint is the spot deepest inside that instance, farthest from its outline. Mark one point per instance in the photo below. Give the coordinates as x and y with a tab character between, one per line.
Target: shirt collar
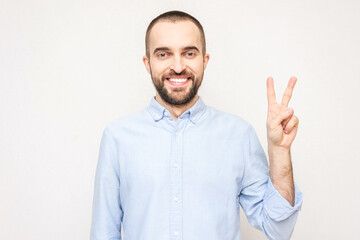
158	112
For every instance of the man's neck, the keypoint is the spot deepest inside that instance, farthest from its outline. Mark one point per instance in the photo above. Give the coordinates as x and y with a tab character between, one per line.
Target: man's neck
176	111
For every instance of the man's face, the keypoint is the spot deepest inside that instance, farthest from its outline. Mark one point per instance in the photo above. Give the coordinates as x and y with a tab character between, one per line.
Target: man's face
176	63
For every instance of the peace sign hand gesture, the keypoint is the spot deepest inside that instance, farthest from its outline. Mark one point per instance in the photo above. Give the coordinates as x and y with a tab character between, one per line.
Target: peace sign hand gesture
281	122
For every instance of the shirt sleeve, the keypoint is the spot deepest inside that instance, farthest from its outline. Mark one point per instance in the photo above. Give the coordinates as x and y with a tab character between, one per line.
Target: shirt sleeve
263	206
106	211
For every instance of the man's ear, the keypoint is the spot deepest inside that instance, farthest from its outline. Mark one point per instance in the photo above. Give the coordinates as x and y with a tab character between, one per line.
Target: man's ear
146	63
206	59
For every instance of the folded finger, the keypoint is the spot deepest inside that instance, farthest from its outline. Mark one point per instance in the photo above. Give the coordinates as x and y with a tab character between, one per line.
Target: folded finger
294	121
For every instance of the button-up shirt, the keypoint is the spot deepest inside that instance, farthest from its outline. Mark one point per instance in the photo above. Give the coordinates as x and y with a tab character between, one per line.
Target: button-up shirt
162	179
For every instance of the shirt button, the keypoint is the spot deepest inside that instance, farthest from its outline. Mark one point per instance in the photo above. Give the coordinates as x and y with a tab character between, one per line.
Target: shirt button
176	199
176	165
176	233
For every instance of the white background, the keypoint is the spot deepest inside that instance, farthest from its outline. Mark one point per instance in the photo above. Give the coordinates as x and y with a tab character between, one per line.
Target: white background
67	68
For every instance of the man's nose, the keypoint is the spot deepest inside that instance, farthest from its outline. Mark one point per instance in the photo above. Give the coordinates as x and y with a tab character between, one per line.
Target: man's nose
178	64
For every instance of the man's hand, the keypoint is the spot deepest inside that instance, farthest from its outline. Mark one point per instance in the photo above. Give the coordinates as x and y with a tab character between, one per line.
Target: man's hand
281	122
282	126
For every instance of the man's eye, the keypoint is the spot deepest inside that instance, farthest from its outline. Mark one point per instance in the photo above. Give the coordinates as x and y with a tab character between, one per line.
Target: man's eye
162	54
191	54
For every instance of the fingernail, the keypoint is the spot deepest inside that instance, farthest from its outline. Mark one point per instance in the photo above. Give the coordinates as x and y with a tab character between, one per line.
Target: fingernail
288	110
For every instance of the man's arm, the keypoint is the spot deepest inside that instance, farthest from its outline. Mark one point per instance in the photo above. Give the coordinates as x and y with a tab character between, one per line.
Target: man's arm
266	209
281	173
106	212
282	127
271	201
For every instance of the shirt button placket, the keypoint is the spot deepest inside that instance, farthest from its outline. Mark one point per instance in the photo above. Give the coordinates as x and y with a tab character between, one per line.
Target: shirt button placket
176	187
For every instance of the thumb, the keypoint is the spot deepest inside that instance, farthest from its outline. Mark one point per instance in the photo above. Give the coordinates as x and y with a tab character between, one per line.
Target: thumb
285	113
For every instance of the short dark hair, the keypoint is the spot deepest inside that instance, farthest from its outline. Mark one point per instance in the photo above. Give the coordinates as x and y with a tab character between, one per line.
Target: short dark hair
174	16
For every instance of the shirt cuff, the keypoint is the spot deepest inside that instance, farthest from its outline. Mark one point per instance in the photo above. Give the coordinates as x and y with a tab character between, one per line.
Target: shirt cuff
276	206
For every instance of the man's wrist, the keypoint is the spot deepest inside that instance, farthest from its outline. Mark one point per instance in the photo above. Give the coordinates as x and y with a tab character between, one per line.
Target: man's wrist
277	148
280	159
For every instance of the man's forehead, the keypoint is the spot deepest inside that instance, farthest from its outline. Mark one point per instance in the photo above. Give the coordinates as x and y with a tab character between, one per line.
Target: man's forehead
166	33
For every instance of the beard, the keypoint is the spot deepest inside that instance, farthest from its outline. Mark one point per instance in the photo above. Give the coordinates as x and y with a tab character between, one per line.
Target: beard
177	96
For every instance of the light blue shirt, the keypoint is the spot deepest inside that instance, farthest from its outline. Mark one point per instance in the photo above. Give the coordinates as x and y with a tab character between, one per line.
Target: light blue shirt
185	180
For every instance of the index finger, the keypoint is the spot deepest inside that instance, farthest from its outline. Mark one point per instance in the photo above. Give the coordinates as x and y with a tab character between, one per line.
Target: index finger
270	91
288	92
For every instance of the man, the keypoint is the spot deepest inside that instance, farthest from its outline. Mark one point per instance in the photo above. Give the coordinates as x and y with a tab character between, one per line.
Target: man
179	169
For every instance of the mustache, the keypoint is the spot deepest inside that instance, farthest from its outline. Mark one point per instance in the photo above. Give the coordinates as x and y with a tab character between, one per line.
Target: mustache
182	74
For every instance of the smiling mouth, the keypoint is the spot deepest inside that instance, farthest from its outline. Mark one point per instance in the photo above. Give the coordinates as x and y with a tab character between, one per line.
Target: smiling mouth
178	81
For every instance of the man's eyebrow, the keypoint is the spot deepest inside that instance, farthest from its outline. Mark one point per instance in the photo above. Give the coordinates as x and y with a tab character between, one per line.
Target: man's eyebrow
161	49
167	49
191	48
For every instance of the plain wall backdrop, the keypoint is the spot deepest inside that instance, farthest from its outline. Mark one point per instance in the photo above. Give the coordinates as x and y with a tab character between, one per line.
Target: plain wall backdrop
68	68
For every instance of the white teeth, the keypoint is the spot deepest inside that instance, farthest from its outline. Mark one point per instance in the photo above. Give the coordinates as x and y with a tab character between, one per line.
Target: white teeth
177	80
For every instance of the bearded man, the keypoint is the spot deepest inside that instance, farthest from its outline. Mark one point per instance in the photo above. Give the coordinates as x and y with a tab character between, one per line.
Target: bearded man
179	169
